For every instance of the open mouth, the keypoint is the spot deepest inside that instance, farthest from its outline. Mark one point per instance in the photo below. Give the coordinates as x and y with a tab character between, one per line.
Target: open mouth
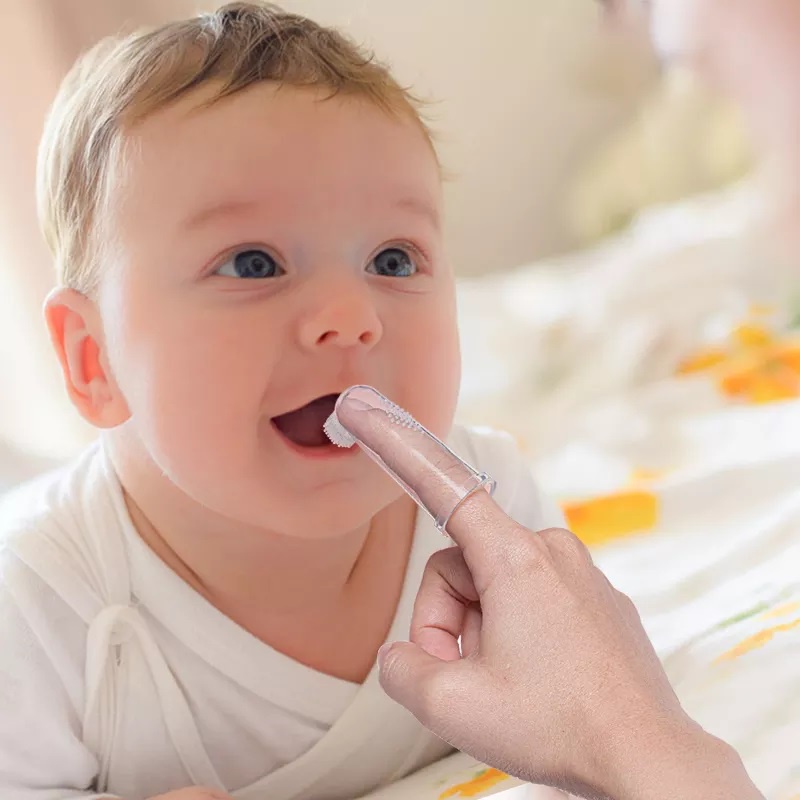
303	426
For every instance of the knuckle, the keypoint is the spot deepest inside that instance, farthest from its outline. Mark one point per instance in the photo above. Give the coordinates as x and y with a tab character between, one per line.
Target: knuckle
566	542
442	560
531	553
627	604
448	567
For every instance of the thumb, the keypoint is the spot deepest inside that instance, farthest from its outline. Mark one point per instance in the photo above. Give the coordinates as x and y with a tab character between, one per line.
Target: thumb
408	675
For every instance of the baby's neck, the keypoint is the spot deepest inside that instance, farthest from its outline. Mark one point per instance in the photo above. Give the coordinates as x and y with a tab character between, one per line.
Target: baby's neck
235	565
232	567
327	604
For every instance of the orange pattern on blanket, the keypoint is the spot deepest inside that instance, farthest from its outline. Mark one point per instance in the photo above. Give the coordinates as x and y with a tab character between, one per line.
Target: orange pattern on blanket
484	780
754	366
769	376
757	641
703	360
613	516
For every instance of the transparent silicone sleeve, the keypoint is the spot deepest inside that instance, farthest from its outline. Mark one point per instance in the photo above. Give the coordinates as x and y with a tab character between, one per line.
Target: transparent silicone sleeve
429	471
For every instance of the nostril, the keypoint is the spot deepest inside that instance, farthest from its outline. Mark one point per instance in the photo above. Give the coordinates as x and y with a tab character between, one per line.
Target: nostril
332	336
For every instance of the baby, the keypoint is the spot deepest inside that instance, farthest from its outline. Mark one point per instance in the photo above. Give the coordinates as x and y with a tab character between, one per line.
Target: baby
246	216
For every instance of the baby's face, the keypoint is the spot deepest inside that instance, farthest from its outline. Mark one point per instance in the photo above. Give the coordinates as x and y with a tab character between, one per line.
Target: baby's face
273	249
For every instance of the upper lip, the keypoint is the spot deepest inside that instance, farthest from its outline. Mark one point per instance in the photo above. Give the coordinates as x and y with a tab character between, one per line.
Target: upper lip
311	399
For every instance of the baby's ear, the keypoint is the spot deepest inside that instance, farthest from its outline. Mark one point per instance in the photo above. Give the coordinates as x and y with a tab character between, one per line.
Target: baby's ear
77	336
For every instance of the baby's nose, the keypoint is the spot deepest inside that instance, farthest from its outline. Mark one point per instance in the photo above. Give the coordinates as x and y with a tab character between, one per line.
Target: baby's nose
342	317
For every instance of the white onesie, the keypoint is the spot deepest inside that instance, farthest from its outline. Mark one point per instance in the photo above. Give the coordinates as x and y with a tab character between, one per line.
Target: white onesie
117	679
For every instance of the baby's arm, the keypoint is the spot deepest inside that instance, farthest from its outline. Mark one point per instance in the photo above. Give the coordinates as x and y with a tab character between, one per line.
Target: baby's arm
42	756
528	505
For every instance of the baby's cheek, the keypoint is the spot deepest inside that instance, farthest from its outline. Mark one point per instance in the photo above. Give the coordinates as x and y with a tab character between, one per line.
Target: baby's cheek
434	368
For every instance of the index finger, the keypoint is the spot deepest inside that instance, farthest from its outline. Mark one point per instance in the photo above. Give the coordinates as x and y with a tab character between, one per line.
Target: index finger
457	496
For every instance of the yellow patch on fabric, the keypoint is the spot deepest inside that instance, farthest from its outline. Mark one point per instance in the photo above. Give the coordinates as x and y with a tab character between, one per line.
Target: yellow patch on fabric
603	519
484	780
781	611
702	361
762	389
757	641
642	475
768	375
761	310
750	335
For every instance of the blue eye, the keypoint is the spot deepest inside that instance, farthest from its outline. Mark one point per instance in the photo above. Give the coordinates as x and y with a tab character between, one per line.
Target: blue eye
392	263
253	264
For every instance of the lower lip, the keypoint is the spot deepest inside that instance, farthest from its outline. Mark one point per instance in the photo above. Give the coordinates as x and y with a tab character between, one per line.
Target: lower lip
326	452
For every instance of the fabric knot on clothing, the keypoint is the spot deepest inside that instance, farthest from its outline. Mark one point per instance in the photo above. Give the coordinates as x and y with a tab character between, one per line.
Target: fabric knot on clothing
117	624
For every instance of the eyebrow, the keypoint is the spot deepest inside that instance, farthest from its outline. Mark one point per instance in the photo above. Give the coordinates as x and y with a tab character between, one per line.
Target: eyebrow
231	208
421	208
228	208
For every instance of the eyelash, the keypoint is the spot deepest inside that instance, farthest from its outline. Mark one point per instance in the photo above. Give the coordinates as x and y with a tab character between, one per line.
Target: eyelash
219	261
419	253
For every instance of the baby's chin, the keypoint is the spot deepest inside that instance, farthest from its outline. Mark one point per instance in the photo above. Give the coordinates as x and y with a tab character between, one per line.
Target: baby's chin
249	495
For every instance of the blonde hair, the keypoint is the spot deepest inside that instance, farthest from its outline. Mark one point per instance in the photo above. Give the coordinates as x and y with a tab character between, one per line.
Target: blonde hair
121	81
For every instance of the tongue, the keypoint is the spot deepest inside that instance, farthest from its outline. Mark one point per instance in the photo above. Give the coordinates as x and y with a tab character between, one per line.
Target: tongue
304	426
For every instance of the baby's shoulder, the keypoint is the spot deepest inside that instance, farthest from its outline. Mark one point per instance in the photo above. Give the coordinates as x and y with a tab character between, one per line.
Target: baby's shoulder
40	629
25	506
497	454
40	501
483	446
44	523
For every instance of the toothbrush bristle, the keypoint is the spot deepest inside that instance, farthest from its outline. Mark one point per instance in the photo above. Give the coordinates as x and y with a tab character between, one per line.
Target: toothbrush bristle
337	433
341	437
399	416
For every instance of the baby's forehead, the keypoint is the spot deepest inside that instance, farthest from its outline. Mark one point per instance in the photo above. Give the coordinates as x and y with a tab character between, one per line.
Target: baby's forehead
263	121
289	149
